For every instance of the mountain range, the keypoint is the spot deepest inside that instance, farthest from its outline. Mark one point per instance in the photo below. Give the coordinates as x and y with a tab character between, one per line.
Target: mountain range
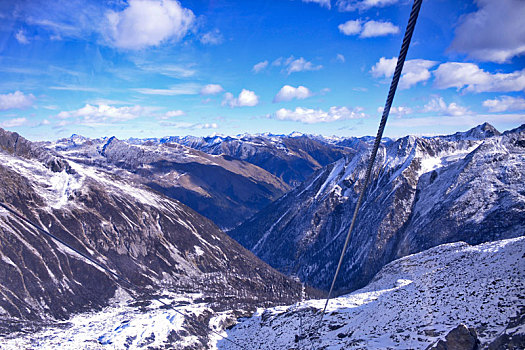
155	243
424	191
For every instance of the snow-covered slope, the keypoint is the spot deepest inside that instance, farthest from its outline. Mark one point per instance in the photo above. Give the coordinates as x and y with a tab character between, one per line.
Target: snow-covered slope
292	158
411	303
224	189
156	243
423	192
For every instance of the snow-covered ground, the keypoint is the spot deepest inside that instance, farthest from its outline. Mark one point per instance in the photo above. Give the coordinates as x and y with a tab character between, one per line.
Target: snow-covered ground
122	325
410	304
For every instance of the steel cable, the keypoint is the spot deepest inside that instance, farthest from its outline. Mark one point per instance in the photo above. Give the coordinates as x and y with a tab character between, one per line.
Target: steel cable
393	87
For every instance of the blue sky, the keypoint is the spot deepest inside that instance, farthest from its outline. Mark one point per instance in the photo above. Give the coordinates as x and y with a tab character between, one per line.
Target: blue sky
154	68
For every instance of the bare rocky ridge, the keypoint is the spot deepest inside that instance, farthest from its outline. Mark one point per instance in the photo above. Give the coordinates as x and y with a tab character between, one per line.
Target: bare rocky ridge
424	192
224	189
151	240
292	158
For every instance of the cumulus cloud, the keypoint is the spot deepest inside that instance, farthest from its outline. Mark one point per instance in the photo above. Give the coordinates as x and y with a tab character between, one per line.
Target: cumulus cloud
352	27
311	116
414	71
300	65
368	29
246	98
505	103
437	104
288	93
96	115
324	3
260	66
16	100
21	37
362	5
471	78
212	89
148	23
212	38
11	123
495	32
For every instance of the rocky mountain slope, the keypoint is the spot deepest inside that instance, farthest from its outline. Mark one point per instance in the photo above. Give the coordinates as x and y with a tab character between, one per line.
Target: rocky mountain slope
424	192
156	243
412	303
292	158
224	189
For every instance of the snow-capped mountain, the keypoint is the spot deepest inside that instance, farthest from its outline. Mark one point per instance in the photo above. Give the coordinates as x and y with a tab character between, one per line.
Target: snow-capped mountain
224	189
292	158
157	243
424	192
412	303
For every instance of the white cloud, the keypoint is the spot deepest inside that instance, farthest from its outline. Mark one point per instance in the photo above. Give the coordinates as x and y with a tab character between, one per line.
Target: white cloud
437	104
100	114
300	65
174	71
21	37
292	64
11	123
399	111
373	28
212	38
471	78
352	27
277	62
288	93
311	116
212	89
368	29
192	126
16	100
246	98
505	103
495	32
180	89
414	71
148	23
172	114
340	58
260	66
362	5
324	3
75	88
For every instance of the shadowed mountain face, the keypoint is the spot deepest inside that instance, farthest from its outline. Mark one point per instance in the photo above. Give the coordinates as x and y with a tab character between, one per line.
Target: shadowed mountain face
424	192
291	158
224	189
151	240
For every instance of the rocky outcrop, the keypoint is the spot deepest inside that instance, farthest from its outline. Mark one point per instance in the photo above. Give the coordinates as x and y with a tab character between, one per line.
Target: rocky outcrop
460	338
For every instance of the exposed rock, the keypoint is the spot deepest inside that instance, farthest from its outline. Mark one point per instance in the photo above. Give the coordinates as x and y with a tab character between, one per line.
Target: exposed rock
460	338
423	192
